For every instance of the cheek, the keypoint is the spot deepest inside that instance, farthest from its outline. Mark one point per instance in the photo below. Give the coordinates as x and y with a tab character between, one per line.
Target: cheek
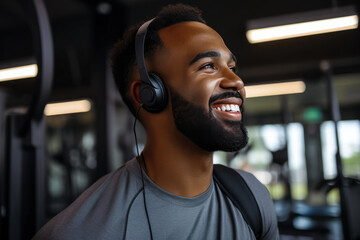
198	92
194	88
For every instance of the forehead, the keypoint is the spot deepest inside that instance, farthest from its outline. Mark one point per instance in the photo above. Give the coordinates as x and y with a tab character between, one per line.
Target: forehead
190	38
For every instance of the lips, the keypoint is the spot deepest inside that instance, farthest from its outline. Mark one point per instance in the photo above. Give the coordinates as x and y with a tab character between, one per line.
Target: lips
228	108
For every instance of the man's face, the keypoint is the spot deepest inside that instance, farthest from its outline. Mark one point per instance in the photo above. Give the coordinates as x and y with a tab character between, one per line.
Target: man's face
206	95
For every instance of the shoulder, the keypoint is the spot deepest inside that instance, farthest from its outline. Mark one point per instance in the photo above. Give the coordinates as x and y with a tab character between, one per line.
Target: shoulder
265	203
97	207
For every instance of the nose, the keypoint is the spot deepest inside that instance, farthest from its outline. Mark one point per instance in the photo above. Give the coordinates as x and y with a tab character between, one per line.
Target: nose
231	81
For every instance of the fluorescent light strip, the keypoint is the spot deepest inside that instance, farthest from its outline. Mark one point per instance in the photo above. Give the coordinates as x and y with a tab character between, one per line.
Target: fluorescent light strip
61	108
27	71
302	29
273	89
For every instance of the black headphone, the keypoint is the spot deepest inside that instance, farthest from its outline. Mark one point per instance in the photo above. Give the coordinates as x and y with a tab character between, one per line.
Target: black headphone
152	92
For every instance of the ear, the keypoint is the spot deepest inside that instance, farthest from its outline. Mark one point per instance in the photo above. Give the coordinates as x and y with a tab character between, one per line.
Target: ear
134	90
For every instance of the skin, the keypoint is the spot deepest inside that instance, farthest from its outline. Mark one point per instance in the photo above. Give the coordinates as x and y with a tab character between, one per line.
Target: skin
173	161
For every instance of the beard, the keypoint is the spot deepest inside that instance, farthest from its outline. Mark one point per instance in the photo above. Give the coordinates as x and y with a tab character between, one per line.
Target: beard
203	129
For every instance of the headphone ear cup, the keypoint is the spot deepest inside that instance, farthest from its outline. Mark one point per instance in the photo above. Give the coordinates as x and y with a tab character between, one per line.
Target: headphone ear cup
154	98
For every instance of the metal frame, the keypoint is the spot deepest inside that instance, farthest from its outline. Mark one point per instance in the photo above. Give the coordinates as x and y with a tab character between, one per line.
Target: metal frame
23	202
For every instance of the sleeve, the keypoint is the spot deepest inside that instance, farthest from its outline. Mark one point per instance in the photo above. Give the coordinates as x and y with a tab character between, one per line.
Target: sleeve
265	203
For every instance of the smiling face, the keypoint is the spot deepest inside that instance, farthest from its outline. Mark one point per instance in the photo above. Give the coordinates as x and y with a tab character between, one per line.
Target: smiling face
206	95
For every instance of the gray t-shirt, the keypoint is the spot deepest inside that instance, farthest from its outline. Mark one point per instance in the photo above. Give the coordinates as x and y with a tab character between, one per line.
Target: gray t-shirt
113	208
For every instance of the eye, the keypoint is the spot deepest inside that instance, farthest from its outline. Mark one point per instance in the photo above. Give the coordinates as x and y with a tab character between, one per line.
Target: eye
234	69
207	66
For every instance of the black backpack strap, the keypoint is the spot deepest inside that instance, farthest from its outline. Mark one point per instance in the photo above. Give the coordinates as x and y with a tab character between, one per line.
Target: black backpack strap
234	187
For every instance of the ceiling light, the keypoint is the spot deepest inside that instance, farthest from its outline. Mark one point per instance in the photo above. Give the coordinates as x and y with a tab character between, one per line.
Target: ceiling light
61	108
273	89
27	71
302	24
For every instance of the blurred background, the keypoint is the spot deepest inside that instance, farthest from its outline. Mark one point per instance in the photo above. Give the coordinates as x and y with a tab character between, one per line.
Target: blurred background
304	127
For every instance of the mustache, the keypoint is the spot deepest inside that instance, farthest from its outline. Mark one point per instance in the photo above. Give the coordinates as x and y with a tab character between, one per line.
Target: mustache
225	95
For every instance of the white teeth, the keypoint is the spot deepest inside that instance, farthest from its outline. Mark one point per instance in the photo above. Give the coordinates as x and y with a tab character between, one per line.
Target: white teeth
230	108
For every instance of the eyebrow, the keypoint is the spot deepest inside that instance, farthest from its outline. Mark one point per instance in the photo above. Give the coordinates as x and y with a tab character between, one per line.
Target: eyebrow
210	54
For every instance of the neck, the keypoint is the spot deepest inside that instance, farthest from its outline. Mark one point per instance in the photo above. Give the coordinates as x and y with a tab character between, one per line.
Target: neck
178	165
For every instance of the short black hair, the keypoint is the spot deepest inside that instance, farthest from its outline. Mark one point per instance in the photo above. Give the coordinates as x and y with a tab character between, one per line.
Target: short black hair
123	57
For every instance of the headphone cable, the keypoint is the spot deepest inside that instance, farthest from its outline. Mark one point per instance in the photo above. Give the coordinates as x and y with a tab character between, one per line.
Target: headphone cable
141	171
134	128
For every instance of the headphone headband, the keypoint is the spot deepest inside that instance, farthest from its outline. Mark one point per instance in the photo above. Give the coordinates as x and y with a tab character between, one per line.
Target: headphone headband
140	50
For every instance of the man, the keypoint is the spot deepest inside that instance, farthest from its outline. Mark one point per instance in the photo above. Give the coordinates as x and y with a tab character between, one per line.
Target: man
168	191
